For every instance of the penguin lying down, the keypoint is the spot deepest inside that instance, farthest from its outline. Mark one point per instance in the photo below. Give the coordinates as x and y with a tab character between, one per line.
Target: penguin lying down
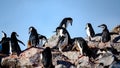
81	45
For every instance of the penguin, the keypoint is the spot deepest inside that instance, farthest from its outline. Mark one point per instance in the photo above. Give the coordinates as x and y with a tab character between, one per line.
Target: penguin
65	21
105	33
64	40
33	38
14	43
81	45
5	44
43	40
47	58
90	31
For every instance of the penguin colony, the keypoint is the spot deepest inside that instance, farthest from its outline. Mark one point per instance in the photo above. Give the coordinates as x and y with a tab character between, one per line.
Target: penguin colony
65	42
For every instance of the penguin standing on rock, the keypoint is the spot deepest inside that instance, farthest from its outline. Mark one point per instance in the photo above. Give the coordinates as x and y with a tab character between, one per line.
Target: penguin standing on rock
105	34
33	38
90	31
47	58
64	40
5	44
65	21
81	45
14	43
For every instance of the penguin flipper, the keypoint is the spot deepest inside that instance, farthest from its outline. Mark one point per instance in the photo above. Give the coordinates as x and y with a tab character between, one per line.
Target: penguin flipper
21	42
113	33
98	34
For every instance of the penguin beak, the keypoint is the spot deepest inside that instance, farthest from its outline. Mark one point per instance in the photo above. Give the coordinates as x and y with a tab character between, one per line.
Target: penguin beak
102	26
99	26
70	21
4	34
17	35
54	31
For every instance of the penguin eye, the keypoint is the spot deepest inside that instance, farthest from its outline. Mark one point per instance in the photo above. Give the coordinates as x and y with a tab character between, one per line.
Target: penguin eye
16	34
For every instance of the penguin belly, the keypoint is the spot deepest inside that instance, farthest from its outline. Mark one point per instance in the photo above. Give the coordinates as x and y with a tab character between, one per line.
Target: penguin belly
63	43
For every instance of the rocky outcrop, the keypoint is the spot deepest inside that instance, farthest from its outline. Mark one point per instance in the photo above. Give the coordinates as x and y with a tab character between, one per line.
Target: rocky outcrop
31	57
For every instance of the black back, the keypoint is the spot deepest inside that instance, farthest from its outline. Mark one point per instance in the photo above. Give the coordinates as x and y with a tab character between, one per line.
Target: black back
47	58
105	33
5	44
106	36
14	43
85	49
33	38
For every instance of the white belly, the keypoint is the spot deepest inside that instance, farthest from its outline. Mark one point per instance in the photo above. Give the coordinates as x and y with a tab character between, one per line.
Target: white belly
88	32
81	52
64	43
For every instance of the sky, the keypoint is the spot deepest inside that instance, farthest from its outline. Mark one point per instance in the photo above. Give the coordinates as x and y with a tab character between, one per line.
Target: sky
46	15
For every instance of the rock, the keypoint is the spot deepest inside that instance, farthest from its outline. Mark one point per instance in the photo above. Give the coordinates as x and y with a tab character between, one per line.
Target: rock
83	62
116	29
52	41
31	57
115	65
105	58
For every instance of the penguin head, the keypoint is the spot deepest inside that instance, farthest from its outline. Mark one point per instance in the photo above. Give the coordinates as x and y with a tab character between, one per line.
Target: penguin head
4	34
88	25
60	31
31	29
66	21
69	20
14	34
103	26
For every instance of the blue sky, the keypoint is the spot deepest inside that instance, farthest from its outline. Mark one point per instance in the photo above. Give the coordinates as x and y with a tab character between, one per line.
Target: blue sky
46	15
